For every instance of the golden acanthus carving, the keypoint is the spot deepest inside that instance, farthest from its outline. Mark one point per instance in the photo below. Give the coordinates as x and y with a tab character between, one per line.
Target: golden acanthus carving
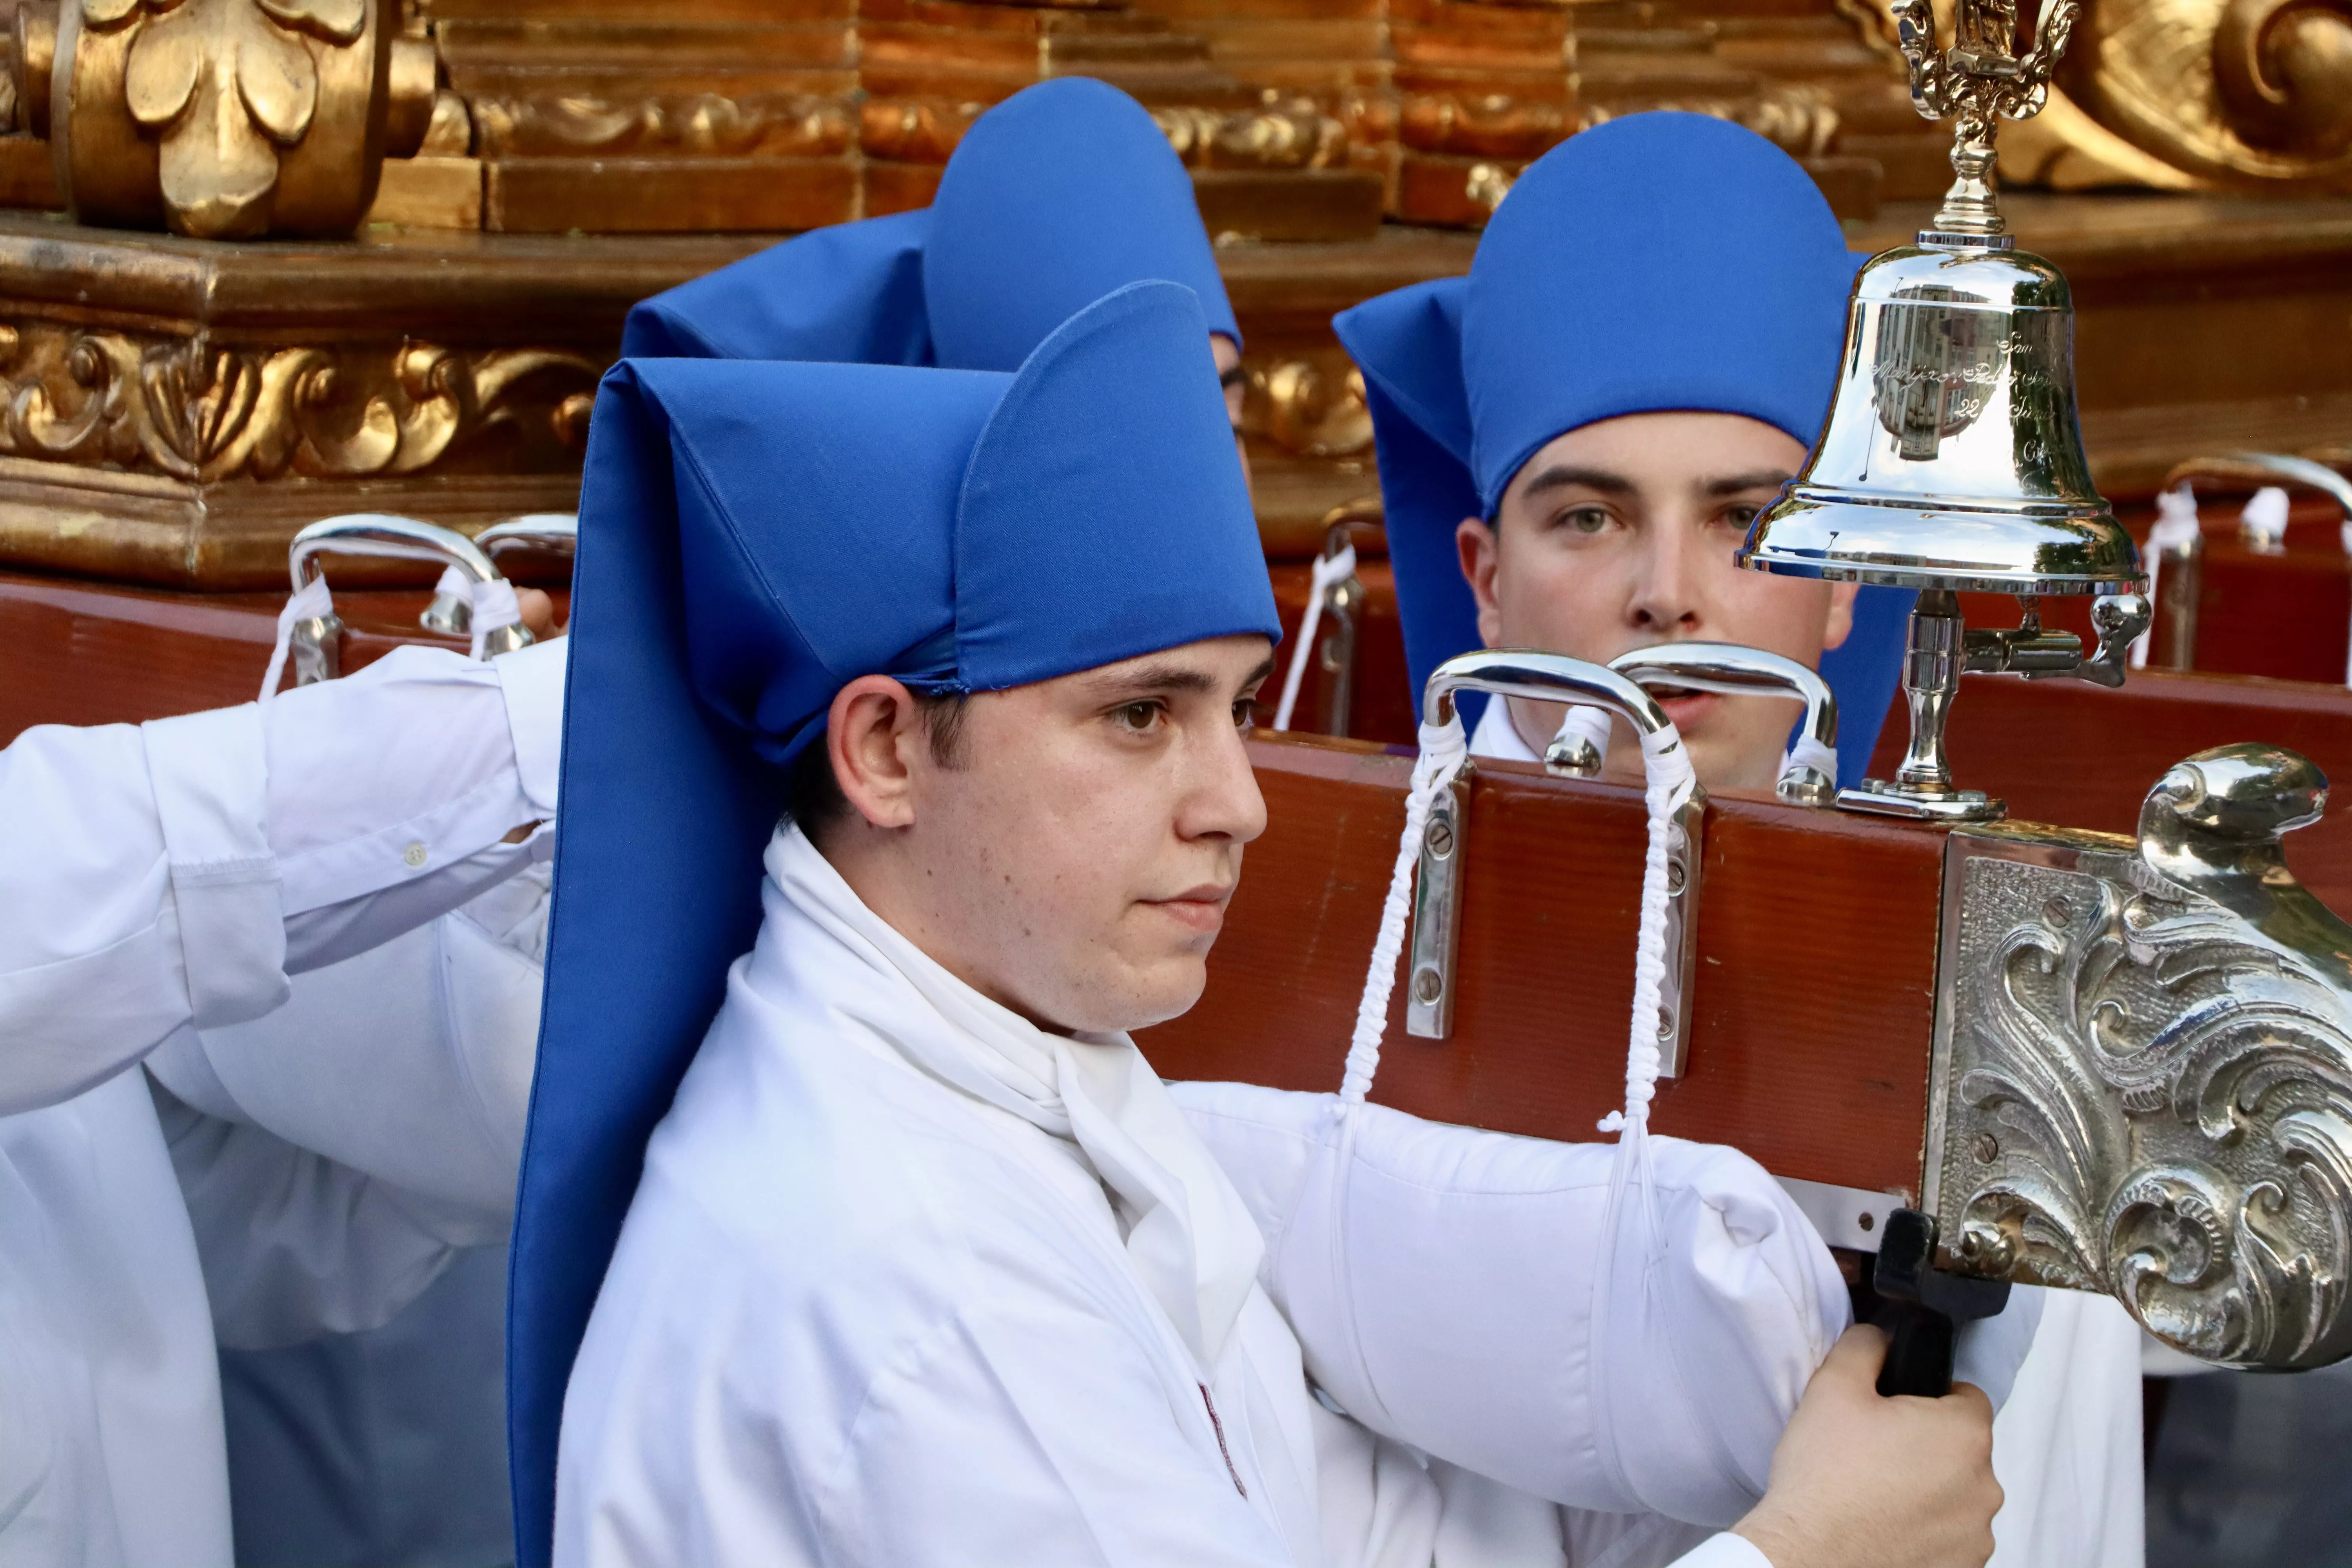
180	408
223	85
1308	409
2190	95
2236	92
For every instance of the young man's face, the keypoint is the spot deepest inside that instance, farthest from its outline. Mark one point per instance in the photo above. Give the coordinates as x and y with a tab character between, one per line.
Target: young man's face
1228	355
1073	854
1619	536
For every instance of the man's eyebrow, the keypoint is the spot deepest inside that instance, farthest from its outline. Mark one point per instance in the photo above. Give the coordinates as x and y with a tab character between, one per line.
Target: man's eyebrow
1560	476
1145	679
1755	480
1148	679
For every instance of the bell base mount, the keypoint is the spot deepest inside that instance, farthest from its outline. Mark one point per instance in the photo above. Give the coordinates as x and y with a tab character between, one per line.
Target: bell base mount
1878	797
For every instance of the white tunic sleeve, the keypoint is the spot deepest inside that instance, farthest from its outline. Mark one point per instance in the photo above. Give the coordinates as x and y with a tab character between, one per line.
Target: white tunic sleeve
1450	1289
176	872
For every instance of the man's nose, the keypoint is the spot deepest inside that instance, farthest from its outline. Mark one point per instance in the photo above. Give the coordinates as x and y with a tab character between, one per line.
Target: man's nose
1667	579
1222	798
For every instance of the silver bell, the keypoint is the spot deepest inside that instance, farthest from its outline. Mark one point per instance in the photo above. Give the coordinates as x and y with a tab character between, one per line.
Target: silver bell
1953	461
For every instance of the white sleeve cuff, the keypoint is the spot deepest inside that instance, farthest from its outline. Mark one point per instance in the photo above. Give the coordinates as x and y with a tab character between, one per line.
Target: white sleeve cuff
387	777
1724	1551
533	679
212	795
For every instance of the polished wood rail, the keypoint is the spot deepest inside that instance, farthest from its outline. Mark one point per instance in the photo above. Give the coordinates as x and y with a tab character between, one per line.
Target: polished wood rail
79	652
2067	751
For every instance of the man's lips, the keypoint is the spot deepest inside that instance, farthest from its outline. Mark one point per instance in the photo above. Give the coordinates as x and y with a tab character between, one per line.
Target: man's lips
1202	908
1683	706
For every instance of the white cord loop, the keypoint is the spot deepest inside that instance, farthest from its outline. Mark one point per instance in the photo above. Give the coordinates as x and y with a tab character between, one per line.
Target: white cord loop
2264	519
2176	528
1444	750
307	603
1329	571
1670	784
495	610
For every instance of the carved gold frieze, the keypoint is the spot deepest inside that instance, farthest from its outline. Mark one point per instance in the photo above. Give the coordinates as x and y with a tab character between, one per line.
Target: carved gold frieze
1276	136
180	408
696	125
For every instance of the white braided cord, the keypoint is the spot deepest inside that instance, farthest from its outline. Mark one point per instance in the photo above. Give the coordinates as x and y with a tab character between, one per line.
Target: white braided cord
1444	750
309	602
1330	571
2176	528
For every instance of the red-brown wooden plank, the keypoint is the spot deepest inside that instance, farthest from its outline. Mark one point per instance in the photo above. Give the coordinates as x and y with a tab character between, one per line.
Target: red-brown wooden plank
1815	997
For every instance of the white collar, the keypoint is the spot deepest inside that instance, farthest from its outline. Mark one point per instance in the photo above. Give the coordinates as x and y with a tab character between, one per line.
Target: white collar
1188	1236
1497	738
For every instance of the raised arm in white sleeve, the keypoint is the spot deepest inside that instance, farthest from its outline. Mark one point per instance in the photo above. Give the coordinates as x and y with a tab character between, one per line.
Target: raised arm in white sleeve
1457	1290
174	874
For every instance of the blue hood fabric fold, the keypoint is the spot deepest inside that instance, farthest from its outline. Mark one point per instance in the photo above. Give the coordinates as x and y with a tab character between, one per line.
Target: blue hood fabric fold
1054	198
1659	262
754	536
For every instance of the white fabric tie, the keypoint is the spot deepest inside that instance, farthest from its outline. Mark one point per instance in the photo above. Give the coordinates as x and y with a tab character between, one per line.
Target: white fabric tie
1330	570
2176	528
2266	517
310	602
1188	1236
1583	723
1443	751
495	610
2344	536
1809	753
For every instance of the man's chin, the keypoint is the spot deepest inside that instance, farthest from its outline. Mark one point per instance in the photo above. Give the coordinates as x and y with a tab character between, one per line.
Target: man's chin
1164	991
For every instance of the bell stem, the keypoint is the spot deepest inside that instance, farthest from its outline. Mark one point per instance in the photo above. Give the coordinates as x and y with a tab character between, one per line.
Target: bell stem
1932	660
1971	209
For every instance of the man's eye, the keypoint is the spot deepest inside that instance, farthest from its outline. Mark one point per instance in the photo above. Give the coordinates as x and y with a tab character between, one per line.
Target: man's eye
1243	711
1137	716
1740	517
1585	518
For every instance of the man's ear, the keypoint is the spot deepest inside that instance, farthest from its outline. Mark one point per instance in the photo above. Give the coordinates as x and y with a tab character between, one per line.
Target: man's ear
1840	624
874	733
1481	548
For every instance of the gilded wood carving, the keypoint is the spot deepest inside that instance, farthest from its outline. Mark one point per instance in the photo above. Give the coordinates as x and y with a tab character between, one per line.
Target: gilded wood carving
179	407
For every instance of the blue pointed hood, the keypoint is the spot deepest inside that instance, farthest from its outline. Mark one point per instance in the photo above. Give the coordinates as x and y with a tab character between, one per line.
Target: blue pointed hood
1659	262
753	537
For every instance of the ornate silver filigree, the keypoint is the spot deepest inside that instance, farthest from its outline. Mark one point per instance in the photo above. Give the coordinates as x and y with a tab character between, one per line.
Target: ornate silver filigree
2145	1067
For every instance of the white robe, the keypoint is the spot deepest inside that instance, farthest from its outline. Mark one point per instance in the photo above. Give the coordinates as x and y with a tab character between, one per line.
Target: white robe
907	1281
161	878
2066	1442
359	1422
